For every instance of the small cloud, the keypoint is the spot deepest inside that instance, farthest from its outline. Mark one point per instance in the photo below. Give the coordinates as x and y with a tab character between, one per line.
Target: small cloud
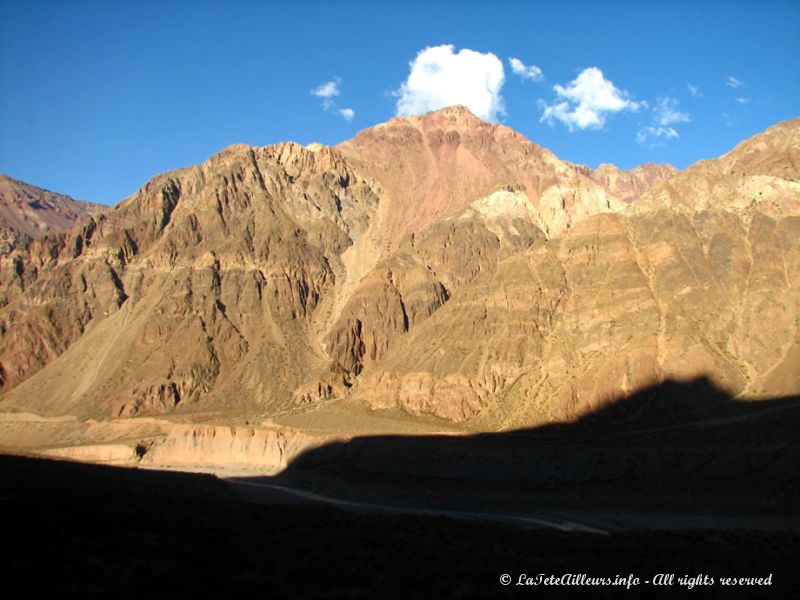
742	100
665	114
531	72
586	101
694	90
732	82
729	120
328	91
654	134
441	77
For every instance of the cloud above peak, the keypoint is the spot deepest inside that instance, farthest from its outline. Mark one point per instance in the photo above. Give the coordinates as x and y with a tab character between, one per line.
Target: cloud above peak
665	112
328	91
665	115
586	101
441	77
531	72
732	82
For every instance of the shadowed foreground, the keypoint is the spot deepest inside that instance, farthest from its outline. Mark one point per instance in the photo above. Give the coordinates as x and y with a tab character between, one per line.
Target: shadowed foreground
668	456
108	531
683	479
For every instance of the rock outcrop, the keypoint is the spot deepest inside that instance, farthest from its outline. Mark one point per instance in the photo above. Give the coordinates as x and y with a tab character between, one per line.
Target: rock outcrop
228	447
631	184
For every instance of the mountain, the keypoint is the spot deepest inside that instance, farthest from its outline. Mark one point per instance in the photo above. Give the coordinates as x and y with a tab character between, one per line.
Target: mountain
631	184
433	266
28	212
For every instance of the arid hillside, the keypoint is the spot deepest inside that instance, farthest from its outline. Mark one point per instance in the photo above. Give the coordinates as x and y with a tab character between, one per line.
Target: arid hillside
436	267
28	212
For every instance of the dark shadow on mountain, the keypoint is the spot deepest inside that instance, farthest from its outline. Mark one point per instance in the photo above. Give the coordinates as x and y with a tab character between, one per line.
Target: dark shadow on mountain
678	446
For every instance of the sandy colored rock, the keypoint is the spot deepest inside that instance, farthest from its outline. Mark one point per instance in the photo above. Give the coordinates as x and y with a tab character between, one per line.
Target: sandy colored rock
28	213
438	266
228	447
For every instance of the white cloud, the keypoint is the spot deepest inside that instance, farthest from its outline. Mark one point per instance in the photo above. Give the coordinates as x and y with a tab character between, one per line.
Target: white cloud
653	134
694	90
328	91
531	72
440	77
732	82
665	114
742	100
586	101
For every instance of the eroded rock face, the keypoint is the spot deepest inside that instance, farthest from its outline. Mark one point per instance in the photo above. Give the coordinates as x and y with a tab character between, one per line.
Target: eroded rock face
431	166
208	277
632	183
437	265
454	397
229	447
28	212
622	301
384	307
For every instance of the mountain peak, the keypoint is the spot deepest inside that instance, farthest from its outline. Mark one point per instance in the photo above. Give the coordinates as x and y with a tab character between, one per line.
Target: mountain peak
456	113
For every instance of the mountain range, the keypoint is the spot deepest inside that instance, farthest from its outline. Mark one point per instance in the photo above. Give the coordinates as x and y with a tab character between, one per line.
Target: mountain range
437	266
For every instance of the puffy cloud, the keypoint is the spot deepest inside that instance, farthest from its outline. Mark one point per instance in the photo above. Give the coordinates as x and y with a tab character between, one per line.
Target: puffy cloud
665	114
694	90
347	113
586	101
732	82
328	91
531	72
441	77
742	100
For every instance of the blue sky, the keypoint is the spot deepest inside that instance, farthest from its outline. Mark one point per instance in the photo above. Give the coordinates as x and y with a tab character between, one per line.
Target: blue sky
97	97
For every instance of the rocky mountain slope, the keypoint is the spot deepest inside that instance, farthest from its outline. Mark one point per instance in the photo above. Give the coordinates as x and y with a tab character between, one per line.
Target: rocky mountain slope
28	212
436	265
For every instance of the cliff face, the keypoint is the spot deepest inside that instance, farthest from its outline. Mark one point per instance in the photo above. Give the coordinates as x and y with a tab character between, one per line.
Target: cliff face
698	277
436	264
207	277
28	213
631	184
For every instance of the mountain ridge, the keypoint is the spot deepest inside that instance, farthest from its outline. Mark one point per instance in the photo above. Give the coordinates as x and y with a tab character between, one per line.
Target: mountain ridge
28	212
436	265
